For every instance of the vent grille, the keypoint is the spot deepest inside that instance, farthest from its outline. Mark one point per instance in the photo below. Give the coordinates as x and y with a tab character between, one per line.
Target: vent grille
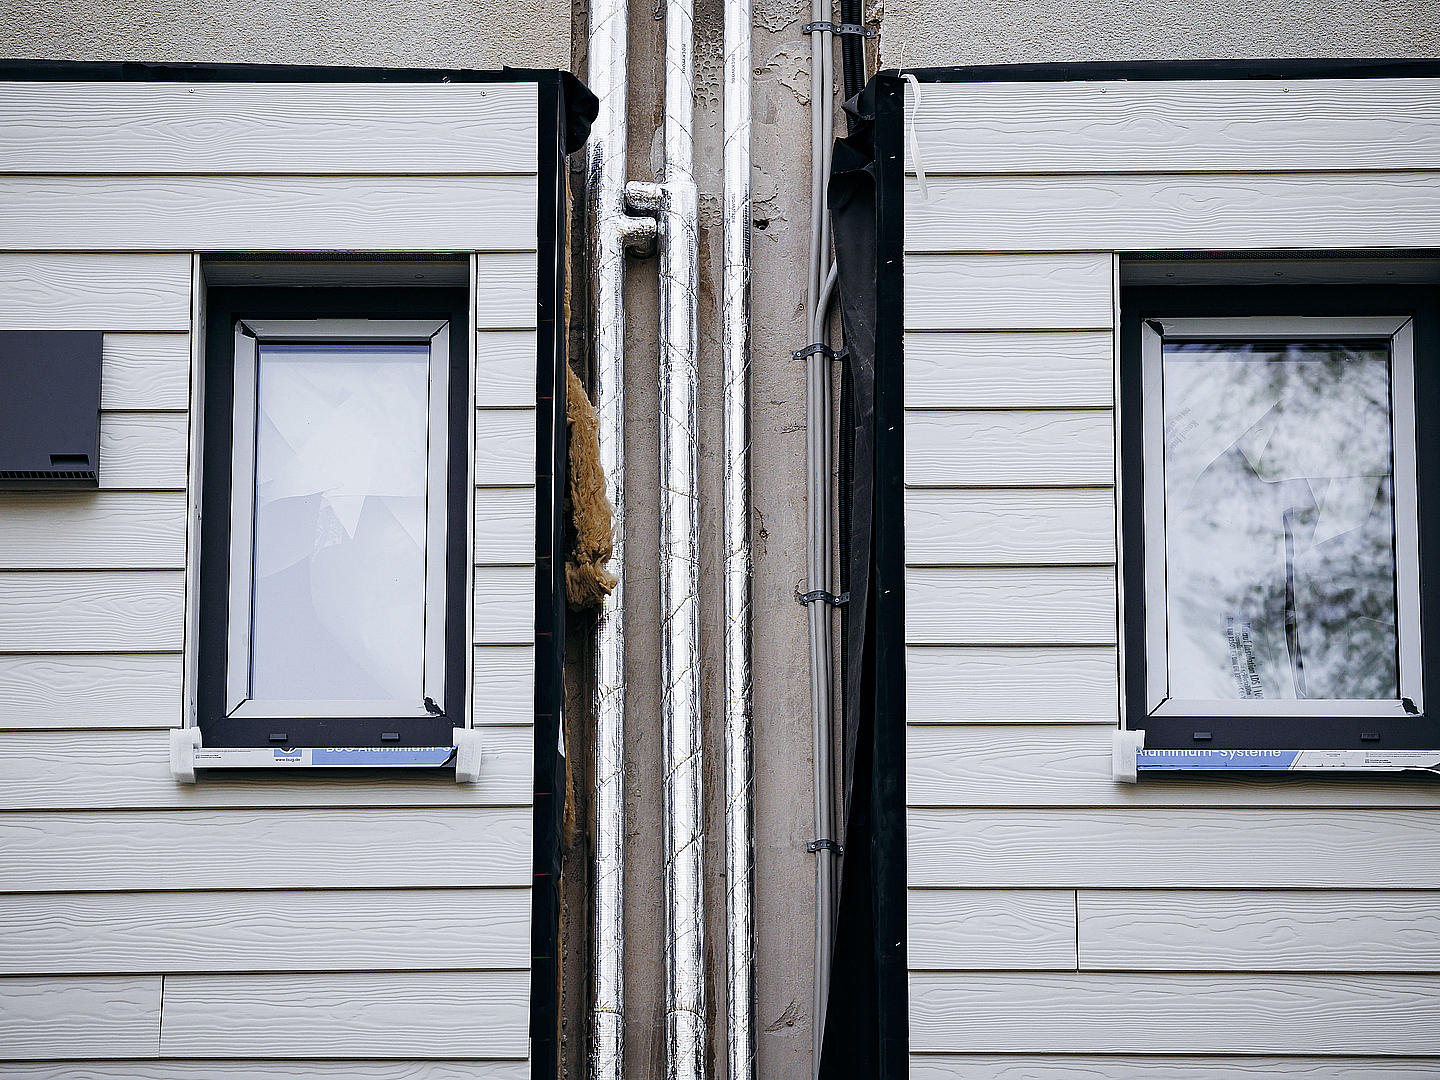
47	474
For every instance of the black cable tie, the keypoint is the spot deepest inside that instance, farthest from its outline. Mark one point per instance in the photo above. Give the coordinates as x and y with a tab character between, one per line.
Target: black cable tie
821	594
811	350
824	845
844	29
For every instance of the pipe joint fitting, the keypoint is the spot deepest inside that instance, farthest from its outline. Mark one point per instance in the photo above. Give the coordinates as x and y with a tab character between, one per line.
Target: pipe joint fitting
644	197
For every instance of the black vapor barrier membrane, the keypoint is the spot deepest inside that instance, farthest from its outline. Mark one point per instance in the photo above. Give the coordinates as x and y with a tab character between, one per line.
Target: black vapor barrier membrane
866	1022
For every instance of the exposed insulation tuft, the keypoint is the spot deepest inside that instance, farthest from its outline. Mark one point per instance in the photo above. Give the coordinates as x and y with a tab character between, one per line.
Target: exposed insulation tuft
587	581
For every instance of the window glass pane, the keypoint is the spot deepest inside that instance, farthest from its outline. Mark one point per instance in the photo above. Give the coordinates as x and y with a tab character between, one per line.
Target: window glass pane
1279	525
339	602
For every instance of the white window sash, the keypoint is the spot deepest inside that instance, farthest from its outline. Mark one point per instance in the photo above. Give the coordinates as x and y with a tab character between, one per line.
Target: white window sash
1400	332
249	334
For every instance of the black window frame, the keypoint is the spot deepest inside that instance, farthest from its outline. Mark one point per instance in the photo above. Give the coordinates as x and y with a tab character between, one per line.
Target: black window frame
224	307
1139	304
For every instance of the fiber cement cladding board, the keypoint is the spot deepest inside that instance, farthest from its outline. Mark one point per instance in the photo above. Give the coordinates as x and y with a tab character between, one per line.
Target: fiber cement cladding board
278	128
1320	125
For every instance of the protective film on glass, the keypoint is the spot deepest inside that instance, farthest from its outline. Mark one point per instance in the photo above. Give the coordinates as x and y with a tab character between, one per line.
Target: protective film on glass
1279	521
340	520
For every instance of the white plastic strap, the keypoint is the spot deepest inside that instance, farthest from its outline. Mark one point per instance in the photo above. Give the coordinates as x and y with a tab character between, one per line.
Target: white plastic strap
915	139
467	755
183	743
1122	755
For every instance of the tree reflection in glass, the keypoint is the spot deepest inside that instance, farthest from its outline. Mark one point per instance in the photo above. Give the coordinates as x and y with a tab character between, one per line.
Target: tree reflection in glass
1279	525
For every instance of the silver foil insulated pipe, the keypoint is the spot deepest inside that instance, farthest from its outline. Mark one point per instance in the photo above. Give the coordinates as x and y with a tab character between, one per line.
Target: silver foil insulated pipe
685	1023
735	465
610	231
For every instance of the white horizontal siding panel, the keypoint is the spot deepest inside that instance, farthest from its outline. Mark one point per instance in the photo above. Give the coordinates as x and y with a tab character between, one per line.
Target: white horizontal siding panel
1166	127
1003	292
989	929
1173	1014
49	291
963	764
157	127
1259	931
140	690
1180	213
210	1069
1014	685
1191	848
116	770
264	849
144	450
504	605
504	447
345	930
268	213
979	448
506	288
91	611
505	368
92	530
452	1014
504	682
1019	606
1134	1067
958	527
504	526
145	371
988	370
80	1017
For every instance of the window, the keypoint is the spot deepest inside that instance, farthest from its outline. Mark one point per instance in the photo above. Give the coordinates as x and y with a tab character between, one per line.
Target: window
337	445
1273	476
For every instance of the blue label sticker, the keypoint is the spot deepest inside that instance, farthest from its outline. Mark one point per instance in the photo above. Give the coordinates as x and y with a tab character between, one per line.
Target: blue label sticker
1215	759
381	755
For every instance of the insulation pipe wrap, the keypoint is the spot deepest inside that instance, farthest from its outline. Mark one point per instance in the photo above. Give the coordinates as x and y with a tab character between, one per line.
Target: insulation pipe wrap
685	1025
610	231
739	742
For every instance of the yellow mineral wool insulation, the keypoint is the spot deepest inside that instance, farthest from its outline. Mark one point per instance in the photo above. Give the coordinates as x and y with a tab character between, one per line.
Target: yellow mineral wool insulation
587	582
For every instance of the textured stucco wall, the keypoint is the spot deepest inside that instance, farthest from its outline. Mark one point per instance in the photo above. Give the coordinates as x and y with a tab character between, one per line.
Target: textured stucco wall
392	33
926	33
